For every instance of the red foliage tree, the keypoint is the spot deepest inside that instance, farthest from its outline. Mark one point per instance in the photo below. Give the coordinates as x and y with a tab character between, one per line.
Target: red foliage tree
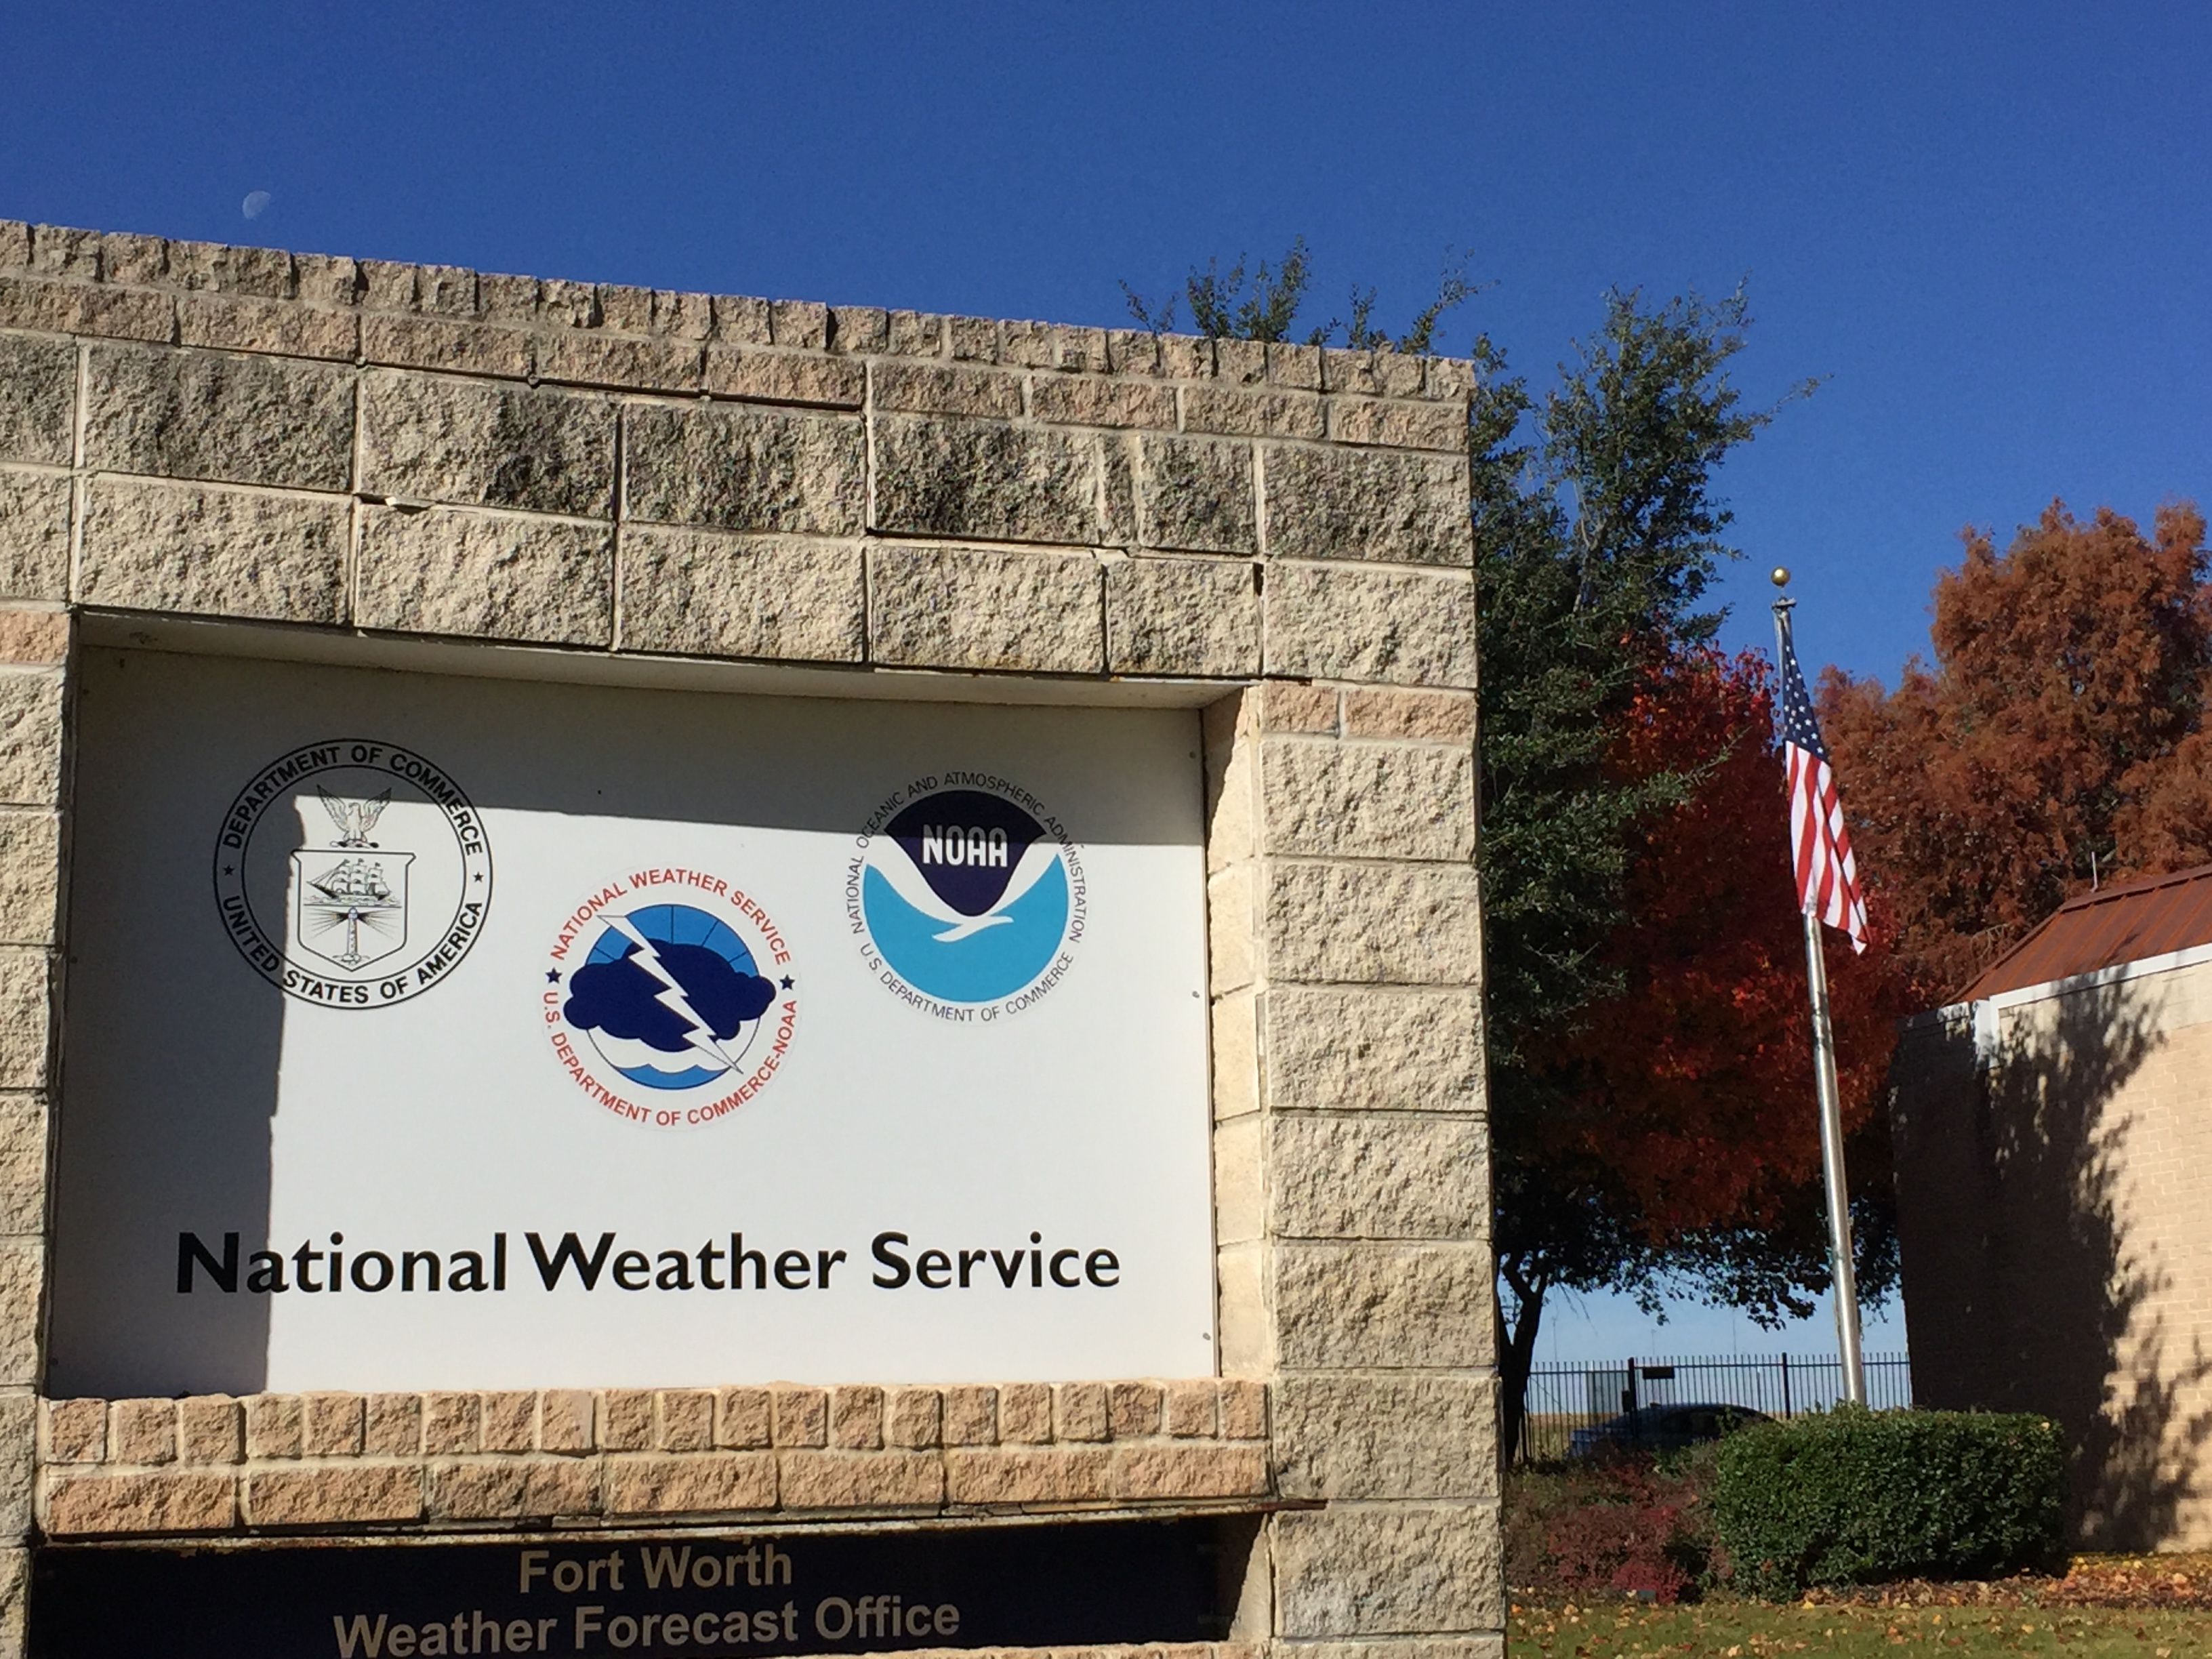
2055	741
1693	1084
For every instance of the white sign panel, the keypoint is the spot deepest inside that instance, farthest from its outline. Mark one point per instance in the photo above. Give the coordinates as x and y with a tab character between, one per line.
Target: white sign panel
435	1032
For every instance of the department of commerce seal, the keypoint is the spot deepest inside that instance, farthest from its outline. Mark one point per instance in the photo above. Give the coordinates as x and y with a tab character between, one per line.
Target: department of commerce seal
352	874
670	997
968	896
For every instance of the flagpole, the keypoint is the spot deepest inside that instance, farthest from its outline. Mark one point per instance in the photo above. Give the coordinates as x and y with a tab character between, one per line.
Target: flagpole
1831	1116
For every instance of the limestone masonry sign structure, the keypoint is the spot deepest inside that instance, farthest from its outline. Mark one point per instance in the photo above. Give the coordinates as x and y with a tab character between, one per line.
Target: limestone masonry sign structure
635	922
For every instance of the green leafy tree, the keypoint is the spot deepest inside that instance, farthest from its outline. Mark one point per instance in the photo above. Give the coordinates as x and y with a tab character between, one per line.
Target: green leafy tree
1265	304
1598	536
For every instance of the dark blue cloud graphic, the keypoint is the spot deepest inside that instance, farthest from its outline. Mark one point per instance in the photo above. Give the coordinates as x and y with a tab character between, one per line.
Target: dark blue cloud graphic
618	997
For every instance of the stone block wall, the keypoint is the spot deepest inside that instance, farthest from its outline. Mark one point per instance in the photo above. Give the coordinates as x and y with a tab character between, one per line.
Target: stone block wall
357	449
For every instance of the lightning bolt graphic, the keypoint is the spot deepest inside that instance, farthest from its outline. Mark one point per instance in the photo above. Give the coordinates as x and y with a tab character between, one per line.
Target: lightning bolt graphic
674	998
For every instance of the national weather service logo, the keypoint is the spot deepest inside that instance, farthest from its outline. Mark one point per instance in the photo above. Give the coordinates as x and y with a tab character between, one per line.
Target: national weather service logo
968	895
353	873
670	997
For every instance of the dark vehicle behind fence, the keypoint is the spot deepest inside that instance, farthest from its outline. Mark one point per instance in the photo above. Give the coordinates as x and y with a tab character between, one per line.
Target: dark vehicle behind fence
1662	1428
1563	1403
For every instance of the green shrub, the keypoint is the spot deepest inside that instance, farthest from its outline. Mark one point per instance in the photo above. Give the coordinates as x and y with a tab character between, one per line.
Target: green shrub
1860	1497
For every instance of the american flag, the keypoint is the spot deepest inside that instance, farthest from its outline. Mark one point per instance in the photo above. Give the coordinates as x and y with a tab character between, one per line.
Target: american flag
1820	845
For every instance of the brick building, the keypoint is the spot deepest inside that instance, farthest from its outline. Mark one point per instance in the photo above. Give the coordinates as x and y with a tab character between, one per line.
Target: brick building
327	466
2054	1181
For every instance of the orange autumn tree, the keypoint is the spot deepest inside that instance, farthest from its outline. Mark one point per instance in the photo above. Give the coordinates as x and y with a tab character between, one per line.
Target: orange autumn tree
2056	740
1682	1116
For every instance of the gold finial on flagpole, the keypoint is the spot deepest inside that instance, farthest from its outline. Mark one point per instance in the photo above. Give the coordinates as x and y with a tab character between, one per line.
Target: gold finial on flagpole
1779	575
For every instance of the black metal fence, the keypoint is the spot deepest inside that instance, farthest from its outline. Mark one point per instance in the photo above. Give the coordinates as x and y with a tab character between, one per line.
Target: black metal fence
1561	1399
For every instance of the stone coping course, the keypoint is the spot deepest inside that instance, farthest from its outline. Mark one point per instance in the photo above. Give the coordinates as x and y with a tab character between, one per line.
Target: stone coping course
123	286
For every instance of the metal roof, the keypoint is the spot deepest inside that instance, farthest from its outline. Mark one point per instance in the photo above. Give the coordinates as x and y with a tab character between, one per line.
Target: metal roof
2151	917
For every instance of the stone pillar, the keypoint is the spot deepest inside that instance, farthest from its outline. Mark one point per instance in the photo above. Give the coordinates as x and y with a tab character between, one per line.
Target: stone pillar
1351	1157
34	648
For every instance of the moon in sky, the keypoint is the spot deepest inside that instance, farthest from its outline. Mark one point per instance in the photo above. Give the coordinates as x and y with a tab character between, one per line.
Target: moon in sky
255	204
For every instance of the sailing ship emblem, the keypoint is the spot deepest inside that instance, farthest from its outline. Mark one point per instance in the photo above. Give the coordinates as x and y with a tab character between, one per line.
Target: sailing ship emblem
350	900
353	873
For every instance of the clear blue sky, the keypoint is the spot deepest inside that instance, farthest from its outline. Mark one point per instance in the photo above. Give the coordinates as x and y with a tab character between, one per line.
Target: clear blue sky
1985	226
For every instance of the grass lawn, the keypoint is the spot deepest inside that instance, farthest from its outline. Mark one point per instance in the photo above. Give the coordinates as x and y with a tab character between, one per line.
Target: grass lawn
1745	1630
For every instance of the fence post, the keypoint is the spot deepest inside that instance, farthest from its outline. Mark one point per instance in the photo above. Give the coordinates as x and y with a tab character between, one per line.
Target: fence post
1786	1383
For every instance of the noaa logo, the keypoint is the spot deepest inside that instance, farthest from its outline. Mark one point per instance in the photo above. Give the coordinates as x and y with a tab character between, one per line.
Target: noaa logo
352	874
968	896
669	997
